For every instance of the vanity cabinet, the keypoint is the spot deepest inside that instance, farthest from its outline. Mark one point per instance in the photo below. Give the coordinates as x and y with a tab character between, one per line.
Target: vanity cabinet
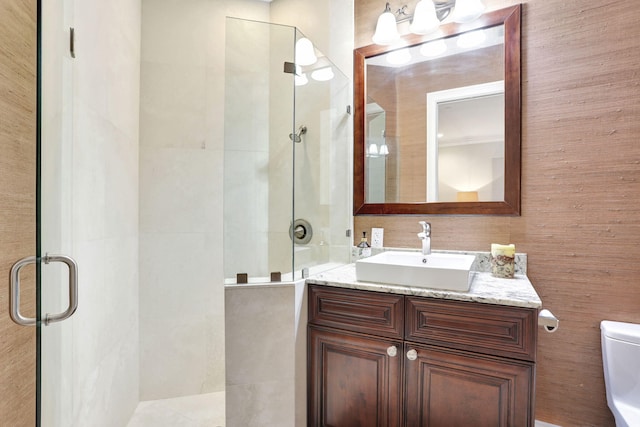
377	359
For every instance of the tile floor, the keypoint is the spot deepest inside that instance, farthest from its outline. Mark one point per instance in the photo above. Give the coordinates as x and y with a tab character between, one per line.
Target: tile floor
202	410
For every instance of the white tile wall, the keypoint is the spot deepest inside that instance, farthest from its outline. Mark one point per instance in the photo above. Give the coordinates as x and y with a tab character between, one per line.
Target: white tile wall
181	213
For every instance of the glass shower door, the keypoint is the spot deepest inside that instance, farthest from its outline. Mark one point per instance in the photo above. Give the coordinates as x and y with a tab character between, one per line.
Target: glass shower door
57	272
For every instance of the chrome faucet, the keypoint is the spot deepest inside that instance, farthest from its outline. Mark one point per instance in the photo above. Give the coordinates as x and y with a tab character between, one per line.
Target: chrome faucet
425	236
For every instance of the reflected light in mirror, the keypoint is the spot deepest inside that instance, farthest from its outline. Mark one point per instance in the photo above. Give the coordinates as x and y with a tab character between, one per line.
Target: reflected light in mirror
471	39
434	48
467	196
399	57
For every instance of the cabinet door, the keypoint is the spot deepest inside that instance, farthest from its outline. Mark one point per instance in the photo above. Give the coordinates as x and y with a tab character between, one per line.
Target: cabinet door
354	380
451	388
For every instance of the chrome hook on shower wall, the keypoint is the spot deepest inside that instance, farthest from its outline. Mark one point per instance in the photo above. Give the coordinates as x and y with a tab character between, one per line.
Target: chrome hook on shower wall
296	137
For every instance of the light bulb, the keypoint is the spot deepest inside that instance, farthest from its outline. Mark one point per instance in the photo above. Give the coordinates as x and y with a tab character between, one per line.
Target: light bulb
386	30
425	20
467	10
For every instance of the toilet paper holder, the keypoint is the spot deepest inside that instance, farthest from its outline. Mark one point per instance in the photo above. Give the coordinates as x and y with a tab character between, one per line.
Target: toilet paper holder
548	321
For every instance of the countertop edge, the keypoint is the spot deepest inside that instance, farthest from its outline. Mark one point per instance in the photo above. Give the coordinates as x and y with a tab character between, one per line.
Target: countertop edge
486	289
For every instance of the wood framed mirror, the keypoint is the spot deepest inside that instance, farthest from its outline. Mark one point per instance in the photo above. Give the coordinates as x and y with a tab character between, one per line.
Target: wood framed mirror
402	165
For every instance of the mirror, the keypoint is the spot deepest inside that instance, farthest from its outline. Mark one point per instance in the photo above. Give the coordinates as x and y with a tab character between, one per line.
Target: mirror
437	121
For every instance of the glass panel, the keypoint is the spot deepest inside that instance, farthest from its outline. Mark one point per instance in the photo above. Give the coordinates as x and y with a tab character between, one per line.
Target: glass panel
322	192
286	191
258	159
55	393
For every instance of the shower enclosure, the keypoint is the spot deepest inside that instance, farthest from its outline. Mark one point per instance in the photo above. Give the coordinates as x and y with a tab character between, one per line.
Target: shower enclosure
286	155
130	185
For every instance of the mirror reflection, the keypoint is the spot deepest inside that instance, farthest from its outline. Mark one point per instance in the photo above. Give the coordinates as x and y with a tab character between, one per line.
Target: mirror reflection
435	121
465	144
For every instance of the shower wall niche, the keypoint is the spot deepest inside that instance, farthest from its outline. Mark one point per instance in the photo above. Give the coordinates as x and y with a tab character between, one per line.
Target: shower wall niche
286	156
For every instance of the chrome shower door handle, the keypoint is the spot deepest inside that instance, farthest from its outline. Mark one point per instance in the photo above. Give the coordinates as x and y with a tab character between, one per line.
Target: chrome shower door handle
73	288
14	300
15	290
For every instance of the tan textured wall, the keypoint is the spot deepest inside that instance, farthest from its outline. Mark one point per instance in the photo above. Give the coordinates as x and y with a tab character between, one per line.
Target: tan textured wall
580	221
17	205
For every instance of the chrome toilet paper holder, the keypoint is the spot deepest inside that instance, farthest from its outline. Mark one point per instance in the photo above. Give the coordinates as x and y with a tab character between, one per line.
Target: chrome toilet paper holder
548	321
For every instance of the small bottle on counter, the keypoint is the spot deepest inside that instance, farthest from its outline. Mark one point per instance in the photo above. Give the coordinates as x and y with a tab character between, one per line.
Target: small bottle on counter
503	260
364	249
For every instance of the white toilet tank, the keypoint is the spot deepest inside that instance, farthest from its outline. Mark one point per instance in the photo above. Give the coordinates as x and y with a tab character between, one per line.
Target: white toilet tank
621	360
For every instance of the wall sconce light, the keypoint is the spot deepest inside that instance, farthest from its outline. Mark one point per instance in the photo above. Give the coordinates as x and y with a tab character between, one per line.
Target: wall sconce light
426	18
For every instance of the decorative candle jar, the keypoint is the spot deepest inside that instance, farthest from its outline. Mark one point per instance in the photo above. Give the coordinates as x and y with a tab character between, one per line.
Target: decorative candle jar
503	260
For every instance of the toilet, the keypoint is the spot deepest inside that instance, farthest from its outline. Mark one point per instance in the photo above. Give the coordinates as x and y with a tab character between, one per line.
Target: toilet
621	361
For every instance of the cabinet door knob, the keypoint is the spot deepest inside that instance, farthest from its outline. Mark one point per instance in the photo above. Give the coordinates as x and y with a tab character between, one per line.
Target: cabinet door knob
392	351
412	355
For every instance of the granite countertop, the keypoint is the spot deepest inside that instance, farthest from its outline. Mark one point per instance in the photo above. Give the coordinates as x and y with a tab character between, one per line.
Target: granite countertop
485	288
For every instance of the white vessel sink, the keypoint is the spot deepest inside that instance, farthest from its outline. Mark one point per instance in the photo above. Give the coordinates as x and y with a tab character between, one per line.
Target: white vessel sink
440	271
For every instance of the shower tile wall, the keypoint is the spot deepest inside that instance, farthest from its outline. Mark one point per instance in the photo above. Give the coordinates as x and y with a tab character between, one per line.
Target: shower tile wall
181	161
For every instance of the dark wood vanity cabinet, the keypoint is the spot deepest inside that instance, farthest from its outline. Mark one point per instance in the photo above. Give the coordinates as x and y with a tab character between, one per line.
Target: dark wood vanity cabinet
381	360
357	383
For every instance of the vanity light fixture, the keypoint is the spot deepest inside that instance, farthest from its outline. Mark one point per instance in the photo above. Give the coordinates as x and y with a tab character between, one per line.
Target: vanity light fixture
467	11
426	18
386	28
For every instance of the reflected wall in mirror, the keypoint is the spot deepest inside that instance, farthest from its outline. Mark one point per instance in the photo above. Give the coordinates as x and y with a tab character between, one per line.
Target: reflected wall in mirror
465	144
437	121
